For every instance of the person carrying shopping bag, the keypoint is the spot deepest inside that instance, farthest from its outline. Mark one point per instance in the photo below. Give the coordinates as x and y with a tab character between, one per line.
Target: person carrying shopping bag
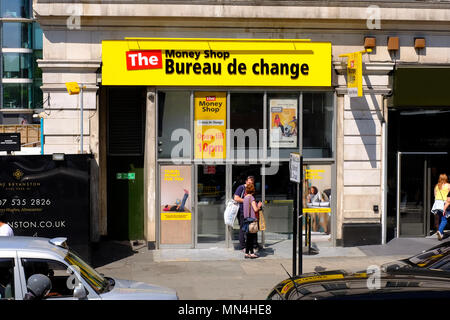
251	210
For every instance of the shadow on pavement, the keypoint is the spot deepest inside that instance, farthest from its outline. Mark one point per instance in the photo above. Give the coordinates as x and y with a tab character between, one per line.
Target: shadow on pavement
106	252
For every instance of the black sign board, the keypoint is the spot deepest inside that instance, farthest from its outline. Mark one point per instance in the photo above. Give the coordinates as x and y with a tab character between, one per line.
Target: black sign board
9	141
41	197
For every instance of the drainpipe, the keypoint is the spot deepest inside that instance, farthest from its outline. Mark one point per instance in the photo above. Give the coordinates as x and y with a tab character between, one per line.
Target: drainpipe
42	135
384	172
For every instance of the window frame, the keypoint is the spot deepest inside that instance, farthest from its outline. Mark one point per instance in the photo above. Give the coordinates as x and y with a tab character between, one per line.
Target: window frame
91	294
17	287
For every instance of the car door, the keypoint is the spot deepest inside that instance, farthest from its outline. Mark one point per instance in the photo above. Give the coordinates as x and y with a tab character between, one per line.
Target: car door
10	285
61	275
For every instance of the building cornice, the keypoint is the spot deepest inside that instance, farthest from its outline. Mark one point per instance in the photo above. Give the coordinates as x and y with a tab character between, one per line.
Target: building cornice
111	13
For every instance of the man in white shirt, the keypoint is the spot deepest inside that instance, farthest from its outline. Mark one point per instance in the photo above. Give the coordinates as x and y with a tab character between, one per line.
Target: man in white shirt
5	229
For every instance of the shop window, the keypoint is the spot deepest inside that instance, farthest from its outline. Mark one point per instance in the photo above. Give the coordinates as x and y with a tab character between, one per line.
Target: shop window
317	196
16	35
17	95
317	124
17	65
279	203
174	123
246	119
283	128
15	8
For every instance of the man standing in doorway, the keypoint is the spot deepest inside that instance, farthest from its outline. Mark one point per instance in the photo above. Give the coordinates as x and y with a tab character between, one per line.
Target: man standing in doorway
239	197
5	229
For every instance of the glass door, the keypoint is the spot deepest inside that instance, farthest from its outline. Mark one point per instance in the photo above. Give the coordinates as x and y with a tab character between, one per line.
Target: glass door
417	175
210	204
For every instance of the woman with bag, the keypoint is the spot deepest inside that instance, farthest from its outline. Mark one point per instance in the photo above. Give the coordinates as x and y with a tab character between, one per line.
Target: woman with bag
250	220
441	191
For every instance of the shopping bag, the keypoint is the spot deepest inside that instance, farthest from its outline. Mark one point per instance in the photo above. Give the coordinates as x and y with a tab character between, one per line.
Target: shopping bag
262	221
231	211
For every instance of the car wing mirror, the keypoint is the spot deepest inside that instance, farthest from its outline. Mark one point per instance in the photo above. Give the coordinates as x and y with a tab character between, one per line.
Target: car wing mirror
79	292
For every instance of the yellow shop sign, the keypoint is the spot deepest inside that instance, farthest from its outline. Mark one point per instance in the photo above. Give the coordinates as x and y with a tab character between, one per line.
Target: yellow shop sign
216	62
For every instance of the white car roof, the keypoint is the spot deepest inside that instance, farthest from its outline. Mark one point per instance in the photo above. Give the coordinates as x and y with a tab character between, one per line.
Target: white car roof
29	244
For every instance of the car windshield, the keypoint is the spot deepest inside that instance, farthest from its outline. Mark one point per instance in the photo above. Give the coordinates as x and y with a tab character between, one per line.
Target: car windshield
96	281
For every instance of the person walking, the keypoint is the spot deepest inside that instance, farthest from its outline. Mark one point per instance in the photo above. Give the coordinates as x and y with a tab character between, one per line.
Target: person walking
251	210
5	229
239	195
441	191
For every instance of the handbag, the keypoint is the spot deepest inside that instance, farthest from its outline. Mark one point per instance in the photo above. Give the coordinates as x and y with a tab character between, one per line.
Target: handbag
231	211
253	227
262	221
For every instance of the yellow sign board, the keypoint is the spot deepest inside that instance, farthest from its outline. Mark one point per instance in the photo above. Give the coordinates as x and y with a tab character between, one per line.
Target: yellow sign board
316	210
176	215
210	109
216	62
354	72
72	88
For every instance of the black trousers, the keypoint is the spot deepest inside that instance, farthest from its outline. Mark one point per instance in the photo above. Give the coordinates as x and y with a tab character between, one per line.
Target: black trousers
251	240
241	232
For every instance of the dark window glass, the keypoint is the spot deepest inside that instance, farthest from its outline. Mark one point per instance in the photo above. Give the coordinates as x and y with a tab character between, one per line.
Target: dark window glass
317	124
17	65
246	119
6	278
174	120
15	8
17	95
56	271
17	35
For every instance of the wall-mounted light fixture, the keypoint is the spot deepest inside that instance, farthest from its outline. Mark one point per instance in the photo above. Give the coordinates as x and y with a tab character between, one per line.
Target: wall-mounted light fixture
370	42
58	157
393	44
419	43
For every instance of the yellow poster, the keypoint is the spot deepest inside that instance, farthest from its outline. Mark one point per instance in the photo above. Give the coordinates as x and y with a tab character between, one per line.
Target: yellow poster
210	109
283	128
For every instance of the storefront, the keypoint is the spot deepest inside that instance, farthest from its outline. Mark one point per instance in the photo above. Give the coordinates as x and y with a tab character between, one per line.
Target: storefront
212	112
419	148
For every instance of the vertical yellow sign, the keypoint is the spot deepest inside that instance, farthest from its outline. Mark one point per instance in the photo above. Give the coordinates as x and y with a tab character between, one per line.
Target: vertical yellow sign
354	72
210	125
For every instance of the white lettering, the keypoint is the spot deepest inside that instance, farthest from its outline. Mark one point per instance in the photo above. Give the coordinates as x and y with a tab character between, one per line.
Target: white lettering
142	59
133	57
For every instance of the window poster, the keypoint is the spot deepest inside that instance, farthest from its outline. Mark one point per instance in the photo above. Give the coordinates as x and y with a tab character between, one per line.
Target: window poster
210	125
283	123
317	196
176	207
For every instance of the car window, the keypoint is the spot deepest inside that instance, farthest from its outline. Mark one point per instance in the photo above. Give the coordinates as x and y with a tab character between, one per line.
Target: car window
55	270
6	278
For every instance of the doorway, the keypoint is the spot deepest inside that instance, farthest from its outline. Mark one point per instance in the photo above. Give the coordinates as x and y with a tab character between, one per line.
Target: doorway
417	174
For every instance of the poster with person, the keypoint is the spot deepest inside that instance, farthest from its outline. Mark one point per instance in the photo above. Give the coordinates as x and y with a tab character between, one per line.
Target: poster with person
283	123
176	205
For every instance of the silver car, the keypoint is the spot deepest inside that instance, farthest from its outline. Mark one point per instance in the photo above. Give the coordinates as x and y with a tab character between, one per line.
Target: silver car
71	277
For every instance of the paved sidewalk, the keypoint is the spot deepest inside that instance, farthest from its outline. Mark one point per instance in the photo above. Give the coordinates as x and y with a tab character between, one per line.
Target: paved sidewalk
215	272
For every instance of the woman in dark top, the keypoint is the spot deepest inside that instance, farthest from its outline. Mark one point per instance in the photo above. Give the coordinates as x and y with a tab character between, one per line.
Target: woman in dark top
250	211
